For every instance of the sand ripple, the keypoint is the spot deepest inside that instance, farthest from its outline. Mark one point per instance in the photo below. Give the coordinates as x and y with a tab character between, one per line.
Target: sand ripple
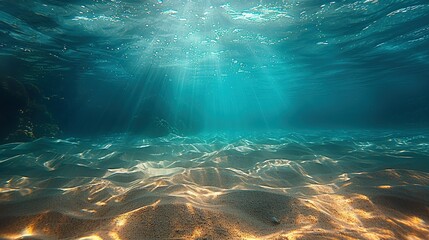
307	185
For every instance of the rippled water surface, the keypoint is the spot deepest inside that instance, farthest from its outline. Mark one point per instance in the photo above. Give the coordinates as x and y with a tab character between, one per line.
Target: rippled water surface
279	62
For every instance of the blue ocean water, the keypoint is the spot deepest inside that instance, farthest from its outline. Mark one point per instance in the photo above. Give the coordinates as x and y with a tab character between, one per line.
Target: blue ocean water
112	65
214	119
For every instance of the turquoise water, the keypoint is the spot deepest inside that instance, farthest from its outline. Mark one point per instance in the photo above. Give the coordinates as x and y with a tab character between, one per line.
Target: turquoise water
118	66
143	119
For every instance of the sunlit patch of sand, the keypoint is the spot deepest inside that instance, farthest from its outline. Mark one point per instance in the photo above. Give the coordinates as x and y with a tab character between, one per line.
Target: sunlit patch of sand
240	190
242	214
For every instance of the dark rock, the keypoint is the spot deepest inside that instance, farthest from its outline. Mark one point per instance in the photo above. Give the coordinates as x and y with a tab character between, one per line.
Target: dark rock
13	98
275	220
158	128
34	93
13	95
21	135
47	130
23	115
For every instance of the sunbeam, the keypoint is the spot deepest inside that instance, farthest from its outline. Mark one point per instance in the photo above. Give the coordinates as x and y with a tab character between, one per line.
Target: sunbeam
214	119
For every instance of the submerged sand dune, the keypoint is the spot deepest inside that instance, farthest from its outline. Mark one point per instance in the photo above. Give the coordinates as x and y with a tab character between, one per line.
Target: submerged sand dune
311	185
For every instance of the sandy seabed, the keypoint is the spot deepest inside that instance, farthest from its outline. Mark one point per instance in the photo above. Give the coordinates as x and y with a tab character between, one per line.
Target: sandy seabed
307	185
